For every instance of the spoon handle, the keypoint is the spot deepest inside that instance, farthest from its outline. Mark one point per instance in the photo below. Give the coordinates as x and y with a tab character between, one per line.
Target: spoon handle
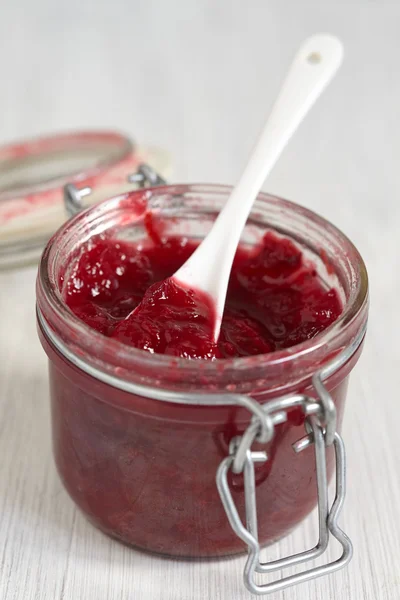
312	69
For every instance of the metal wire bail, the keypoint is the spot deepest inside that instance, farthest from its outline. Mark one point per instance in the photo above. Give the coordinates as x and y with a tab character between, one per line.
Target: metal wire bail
145	176
320	425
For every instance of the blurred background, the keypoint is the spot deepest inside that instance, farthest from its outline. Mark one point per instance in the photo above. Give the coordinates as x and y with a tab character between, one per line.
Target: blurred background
197	78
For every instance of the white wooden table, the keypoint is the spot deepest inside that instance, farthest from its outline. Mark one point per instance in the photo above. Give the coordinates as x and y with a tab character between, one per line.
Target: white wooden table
197	78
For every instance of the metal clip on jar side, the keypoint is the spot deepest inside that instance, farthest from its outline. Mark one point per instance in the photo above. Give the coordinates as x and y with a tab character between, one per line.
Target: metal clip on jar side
145	176
320	430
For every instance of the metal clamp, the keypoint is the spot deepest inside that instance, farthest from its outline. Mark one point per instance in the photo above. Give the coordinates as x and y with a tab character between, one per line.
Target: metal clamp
320	421
145	176
73	198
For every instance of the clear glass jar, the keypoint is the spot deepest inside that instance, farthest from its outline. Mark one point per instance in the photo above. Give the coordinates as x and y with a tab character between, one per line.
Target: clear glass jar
138	438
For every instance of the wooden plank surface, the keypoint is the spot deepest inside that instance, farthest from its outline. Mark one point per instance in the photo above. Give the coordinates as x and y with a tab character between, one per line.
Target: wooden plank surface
197	77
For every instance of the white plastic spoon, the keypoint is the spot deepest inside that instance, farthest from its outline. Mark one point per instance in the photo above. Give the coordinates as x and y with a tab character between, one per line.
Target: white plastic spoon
208	268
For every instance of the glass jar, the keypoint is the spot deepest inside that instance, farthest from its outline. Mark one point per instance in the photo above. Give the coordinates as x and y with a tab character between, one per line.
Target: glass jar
138	438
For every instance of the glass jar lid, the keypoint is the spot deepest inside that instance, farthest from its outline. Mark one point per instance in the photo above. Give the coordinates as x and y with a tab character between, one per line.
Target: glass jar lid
32	176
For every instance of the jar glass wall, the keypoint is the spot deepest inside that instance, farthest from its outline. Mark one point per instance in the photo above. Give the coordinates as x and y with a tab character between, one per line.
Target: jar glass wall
133	446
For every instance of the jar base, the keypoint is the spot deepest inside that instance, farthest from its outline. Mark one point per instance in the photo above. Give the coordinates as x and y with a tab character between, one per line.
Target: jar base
181	557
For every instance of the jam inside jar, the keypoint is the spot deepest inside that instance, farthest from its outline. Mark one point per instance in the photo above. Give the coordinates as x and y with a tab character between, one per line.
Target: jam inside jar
138	437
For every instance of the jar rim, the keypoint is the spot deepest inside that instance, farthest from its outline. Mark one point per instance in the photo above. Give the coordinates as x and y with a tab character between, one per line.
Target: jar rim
48	147
326	344
32	174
